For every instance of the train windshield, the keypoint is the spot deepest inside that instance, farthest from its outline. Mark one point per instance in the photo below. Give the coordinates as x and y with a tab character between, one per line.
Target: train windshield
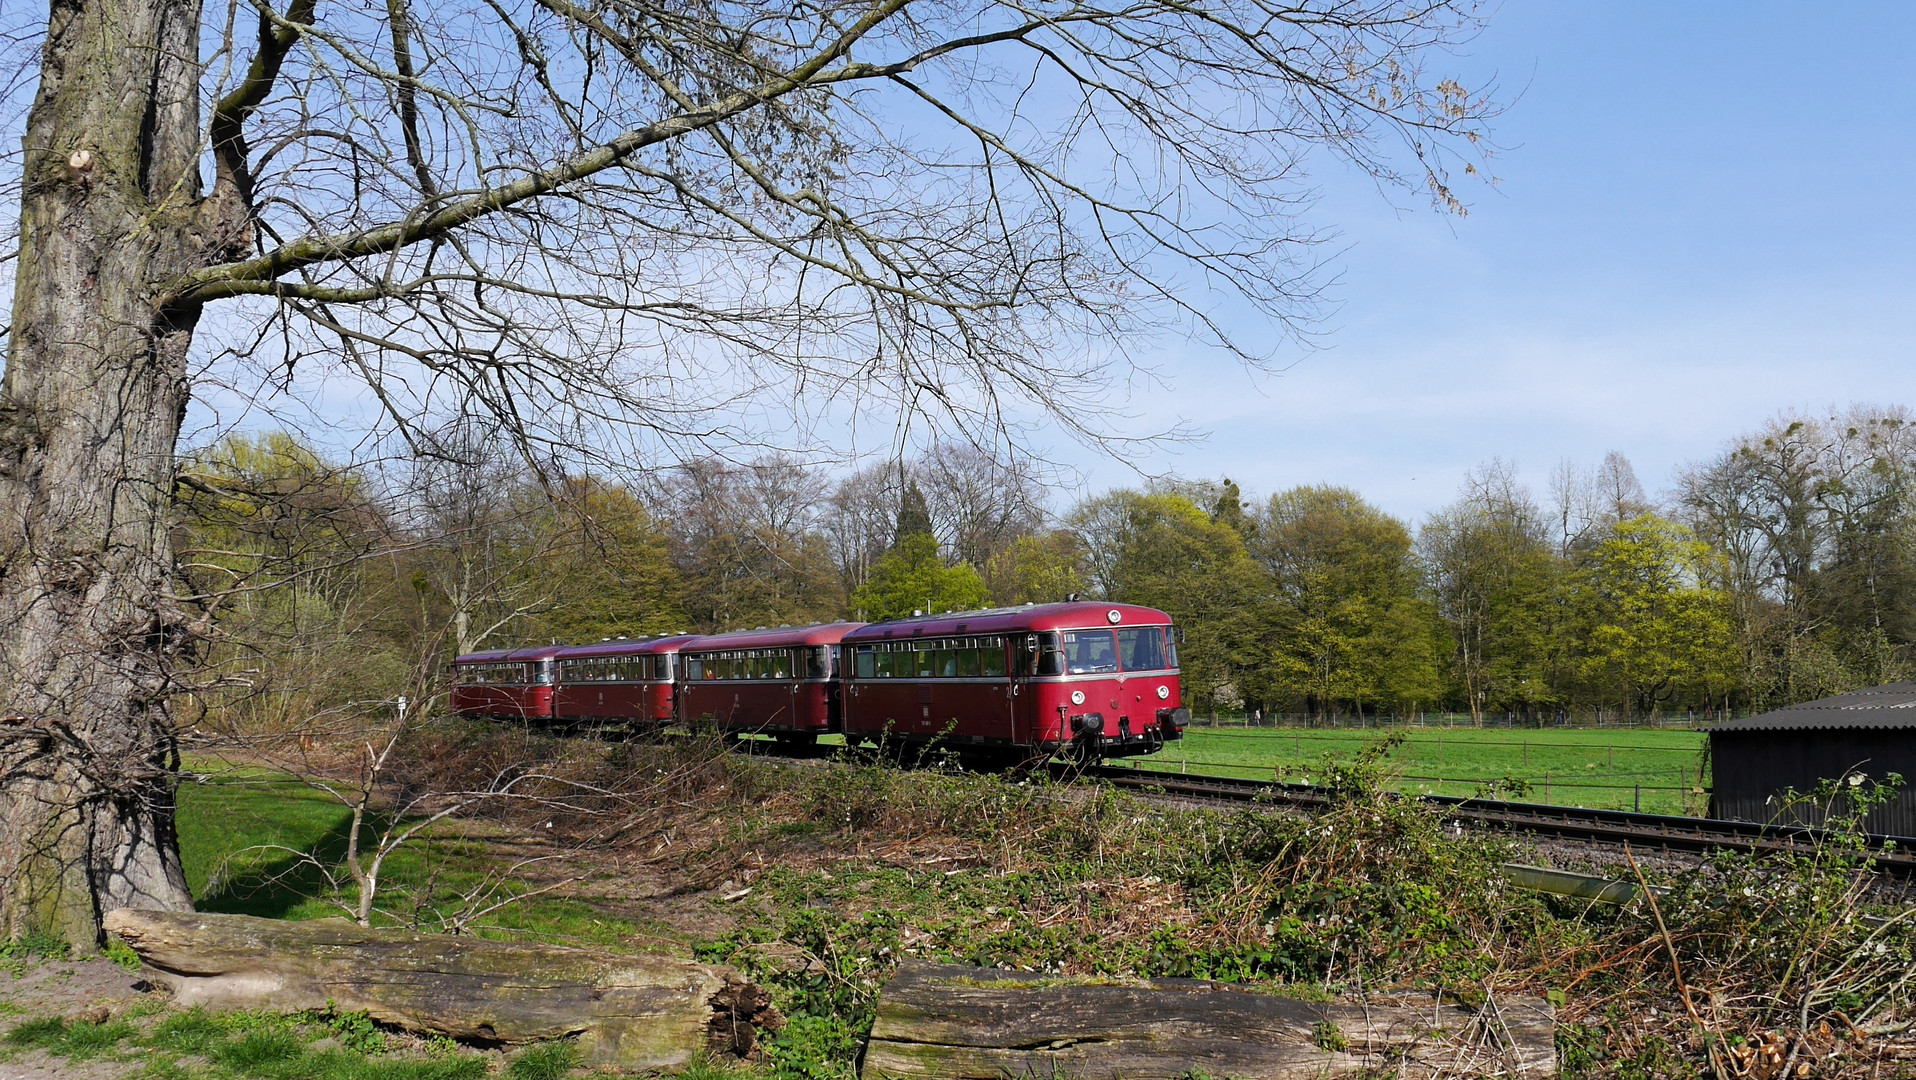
1142	648
1089	652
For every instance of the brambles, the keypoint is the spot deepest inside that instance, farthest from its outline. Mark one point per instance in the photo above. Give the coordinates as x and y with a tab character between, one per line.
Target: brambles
1763	966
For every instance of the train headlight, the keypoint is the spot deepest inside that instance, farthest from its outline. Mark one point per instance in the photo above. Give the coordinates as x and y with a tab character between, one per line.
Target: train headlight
1077	697
1164	693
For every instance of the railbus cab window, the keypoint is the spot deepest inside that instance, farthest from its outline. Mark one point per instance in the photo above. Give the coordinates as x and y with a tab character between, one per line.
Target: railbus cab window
1142	648
1089	652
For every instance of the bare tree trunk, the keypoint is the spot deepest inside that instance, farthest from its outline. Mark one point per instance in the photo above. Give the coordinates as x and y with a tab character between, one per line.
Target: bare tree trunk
90	410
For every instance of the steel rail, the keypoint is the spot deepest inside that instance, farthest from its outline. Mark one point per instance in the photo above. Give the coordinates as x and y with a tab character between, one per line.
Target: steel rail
1652	831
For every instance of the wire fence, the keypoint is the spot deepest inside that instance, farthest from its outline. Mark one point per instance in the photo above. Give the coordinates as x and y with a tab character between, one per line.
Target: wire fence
1607	719
1299	737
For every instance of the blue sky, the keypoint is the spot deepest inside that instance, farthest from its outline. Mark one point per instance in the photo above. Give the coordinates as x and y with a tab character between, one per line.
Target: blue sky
1704	214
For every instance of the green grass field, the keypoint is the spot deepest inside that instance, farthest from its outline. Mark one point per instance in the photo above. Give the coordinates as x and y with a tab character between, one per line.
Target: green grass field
235	825
1608	768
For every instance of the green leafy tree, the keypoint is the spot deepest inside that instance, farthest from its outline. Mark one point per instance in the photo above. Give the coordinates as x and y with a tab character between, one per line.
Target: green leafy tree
912	576
1040	569
612	572
274	542
1163	551
1348	626
1653	629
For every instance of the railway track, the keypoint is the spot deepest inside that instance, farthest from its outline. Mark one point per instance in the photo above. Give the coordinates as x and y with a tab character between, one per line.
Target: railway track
1641	831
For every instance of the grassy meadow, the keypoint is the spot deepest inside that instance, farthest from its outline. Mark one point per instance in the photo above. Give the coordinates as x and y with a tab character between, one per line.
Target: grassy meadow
244	835
1608	768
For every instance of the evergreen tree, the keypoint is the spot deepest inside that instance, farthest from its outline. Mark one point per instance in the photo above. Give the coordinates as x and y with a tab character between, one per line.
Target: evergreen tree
914	515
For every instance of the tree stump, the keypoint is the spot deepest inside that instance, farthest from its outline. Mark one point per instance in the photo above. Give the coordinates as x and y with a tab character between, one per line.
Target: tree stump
959	1023
634	1012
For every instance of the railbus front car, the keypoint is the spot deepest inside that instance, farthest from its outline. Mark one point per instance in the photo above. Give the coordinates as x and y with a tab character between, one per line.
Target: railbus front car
618	684
1095	680
781	682
506	684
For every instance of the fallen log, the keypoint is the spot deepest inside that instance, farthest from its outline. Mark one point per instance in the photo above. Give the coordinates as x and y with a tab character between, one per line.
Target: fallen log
634	1012
960	1023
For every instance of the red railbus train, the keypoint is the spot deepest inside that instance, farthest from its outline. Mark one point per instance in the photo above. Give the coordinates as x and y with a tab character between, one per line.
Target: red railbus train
506	684
1098	679
1091	679
618	682
782	682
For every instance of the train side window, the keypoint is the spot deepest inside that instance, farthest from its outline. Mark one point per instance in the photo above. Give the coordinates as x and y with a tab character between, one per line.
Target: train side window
864	664
1089	652
1142	648
946	663
925	661
781	663
1050	657
818	662
968	659
991	657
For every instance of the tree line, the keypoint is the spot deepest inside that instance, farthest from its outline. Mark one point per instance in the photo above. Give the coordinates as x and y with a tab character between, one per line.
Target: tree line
1781	569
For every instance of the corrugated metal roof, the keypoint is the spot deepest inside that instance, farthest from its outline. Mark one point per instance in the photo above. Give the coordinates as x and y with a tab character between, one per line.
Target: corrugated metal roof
1892	705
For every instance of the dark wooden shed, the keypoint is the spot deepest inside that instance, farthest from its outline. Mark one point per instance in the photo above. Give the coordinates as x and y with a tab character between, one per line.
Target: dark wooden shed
1871	732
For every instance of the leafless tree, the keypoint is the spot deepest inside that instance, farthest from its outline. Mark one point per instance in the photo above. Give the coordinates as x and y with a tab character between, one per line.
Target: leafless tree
483	534
612	227
746	539
1620	493
861	518
980	502
1812	515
